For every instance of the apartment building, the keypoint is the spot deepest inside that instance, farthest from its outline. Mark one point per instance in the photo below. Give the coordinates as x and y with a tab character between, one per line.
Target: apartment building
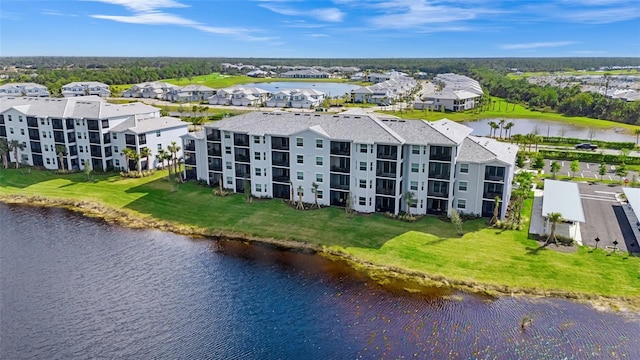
85	88
88	127
372	161
23	89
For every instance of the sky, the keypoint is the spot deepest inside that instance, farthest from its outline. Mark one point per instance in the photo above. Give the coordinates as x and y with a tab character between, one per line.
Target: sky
320	29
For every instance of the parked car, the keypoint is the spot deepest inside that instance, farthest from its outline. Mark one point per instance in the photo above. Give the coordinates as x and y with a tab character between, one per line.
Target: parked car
587	146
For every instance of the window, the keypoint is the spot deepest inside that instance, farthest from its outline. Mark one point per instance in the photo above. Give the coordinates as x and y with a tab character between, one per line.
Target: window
319	177
114	136
9	117
159	147
117	162
319	193
300	175
462	186
227	135
258	187
299	142
300	159
41	121
20	118
256	140
362	183
319	144
22	132
462	203
227	150
258	172
115	149
414	185
415	149
10	129
79	135
319	160
229	180
464	168
363	148
81	148
48	161
362	201
228	164
415	167
46	147
256	155
158	133
363	165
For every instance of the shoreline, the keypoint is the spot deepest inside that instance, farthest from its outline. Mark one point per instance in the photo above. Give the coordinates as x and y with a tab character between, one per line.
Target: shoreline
377	272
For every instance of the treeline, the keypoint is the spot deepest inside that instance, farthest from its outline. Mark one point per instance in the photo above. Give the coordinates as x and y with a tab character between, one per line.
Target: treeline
434	65
565	100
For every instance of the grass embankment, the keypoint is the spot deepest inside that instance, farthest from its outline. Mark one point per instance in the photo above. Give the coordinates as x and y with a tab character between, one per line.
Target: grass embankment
429	249
502	109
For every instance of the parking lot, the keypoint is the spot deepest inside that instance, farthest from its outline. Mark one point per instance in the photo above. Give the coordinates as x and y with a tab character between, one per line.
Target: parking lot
587	170
605	217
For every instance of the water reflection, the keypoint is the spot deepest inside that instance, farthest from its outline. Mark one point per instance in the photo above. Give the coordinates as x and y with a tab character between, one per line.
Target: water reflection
76	288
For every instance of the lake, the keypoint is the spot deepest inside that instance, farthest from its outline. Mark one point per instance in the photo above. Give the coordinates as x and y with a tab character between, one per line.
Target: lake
552	128
333	89
77	288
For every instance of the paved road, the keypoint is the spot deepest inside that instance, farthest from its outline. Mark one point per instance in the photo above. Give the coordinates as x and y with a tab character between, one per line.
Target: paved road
605	218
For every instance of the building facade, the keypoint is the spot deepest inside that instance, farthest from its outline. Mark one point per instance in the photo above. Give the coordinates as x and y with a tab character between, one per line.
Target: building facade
88	128
85	89
370	162
23	89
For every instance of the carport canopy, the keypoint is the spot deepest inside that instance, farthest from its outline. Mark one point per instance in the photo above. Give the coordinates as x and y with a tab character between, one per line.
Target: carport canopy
633	197
562	197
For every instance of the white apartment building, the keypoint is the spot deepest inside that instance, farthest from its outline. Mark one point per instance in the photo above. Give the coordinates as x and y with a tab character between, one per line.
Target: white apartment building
373	161
23	89
85	88
88	127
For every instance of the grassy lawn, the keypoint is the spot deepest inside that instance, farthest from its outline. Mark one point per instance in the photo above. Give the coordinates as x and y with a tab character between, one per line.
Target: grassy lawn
218	81
484	255
504	110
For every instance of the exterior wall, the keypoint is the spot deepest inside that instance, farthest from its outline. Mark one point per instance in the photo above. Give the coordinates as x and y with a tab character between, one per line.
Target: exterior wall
475	194
309	168
152	142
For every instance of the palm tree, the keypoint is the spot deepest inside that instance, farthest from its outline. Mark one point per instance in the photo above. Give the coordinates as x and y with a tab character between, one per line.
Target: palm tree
4	150
493	127
636	132
300	192
15	145
555	167
496	210
508	127
145	152
61	150
501	124
553	218
314	190
174	149
409	197
160	157
135	156
126	152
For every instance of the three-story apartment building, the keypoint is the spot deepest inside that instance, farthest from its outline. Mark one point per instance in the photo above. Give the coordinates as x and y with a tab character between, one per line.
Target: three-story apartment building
360	158
88	128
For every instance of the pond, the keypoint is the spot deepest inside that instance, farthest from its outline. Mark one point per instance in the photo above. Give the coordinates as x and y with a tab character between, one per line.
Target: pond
553	128
332	89
77	288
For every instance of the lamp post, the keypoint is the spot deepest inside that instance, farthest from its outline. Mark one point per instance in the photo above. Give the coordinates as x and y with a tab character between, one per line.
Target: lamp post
597	240
615	245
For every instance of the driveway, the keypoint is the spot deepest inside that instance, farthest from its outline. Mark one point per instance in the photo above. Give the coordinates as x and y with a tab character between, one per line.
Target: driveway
605	217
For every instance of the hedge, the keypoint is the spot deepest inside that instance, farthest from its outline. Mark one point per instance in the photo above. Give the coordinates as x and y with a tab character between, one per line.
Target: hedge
593	157
601	144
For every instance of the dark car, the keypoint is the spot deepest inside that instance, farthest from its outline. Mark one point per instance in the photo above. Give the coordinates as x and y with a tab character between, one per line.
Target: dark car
587	146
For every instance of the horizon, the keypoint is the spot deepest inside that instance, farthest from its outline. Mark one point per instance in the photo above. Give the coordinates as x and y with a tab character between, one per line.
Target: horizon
338	29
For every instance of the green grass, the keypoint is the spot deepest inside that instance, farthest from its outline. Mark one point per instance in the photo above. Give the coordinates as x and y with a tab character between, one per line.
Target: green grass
485	255
218	81
574	73
504	110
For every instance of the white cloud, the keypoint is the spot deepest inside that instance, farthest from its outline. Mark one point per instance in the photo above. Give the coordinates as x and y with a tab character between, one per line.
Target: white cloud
318	35
537	45
154	18
321	14
56	13
603	16
144	5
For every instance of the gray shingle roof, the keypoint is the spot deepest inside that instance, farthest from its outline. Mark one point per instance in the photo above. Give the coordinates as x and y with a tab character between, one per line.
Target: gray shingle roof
480	150
90	107
149	125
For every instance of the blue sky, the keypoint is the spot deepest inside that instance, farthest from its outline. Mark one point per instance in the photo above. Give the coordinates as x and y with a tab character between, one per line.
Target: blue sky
320	29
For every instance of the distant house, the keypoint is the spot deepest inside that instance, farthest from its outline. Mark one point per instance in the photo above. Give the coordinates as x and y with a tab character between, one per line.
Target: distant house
149	90
86	88
385	92
296	98
258	73
239	96
23	89
190	93
458	100
306	74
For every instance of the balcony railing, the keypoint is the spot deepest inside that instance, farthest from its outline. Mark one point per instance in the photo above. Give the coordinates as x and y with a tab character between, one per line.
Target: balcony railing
190	146
242	158
340	169
441	194
440	157
385	191
280	178
338	185
280	162
491	194
381	173
494	177
243	174
190	160
437	175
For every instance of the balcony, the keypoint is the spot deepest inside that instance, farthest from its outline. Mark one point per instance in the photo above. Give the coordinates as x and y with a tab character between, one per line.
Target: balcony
439	175
280	159
440	157
340	148
338	185
440	153
34	134
494	173
94	137
213	135
280	143
190	160
242	158
491	195
385	191
387	152
440	194
93	125
190	146
241	140
215	164
383	173
243	174
340	169
32	122
57	124
214	149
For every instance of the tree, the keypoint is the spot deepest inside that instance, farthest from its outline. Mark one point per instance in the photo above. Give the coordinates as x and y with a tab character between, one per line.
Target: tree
621	170
523	181
538	163
496	211
507	128
409	198
15	145
501	124
602	170
4	150
126	152
87	169
135	156
554	168
520	160
636	132
61	150
493	127
299	205
246	186
553	218
160	157
314	190
174	149
575	166
456	220
145	152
